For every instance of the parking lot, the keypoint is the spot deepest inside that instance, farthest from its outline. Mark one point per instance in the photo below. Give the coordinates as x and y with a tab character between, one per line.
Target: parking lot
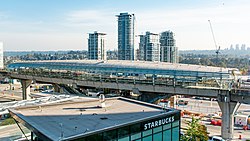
211	107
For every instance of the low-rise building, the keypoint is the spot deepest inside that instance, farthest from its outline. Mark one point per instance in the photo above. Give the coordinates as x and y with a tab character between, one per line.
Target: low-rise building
119	119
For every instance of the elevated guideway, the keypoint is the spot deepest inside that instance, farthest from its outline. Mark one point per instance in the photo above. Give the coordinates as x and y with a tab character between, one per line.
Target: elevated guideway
154	77
123	84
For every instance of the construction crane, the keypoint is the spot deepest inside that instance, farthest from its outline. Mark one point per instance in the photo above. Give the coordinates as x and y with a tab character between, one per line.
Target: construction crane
217	49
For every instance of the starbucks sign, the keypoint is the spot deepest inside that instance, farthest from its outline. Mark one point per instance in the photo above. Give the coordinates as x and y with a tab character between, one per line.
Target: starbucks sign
158	122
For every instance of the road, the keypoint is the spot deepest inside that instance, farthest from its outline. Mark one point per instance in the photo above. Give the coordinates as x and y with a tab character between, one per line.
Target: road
10	132
7	94
215	130
207	107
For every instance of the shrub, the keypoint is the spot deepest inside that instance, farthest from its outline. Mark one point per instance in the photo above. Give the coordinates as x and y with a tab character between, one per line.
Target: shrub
8	121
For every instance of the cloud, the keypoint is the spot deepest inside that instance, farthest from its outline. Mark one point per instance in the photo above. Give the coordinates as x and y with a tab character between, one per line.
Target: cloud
3	16
191	17
41	41
88	17
230	23
88	21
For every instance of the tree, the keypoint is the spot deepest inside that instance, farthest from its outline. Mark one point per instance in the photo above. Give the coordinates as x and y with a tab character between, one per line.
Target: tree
195	131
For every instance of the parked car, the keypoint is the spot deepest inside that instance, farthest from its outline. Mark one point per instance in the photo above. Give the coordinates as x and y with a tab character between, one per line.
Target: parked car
216	138
182	102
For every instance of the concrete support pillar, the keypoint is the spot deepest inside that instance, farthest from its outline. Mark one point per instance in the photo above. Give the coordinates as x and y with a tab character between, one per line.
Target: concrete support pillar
26	89
57	88
228	109
74	85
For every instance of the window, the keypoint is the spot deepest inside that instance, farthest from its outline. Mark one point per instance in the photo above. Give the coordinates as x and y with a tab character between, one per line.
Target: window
124	139
109	135
148	138
167	135
167	126
147	132
136	136
157	129
176	123
175	133
135	128
157	136
123	134
135	131
96	137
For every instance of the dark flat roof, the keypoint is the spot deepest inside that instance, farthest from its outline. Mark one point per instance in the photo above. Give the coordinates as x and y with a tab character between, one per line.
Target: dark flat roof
81	117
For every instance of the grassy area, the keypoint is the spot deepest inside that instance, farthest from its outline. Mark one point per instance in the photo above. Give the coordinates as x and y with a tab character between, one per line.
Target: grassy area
8	121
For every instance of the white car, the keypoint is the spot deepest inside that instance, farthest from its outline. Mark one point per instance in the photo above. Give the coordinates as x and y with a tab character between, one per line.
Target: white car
216	138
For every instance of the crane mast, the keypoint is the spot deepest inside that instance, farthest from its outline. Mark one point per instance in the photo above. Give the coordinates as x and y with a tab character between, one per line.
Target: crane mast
217	49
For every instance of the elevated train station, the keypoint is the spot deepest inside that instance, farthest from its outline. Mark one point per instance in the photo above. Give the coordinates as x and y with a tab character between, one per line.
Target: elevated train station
160	78
138	70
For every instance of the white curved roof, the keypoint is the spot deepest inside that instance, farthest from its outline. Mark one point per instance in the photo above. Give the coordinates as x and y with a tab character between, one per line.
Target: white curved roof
139	65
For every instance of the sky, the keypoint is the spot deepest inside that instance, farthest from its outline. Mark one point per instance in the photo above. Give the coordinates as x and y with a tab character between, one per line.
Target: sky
43	25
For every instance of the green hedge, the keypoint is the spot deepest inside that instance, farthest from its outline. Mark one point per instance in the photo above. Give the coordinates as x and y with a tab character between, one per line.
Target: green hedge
8	121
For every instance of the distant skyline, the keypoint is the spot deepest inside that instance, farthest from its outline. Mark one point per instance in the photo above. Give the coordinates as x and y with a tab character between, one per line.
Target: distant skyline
43	25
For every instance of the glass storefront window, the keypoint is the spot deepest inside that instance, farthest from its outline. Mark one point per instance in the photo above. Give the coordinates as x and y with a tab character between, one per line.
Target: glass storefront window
157	136
124	139
123	132
95	137
176	123
110	135
135	128
147	132
135	131
167	126
175	133
167	135
136	136
148	138
157	129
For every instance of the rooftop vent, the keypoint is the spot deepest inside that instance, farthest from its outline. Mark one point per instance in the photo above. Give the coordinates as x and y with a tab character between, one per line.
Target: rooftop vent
82	109
103	118
102	100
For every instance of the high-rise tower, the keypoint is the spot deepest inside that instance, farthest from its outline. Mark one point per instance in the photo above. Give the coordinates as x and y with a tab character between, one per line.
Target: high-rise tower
126	36
1	55
149	47
169	51
96	46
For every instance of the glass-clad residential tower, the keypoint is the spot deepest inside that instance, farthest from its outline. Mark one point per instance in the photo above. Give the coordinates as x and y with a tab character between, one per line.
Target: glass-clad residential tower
169	51
149	47
1	55
126	36
96	46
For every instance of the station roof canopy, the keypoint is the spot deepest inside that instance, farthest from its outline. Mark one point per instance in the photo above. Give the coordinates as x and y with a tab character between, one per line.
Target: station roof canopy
122	66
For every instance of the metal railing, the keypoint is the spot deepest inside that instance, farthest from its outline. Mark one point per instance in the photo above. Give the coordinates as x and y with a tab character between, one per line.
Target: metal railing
164	81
